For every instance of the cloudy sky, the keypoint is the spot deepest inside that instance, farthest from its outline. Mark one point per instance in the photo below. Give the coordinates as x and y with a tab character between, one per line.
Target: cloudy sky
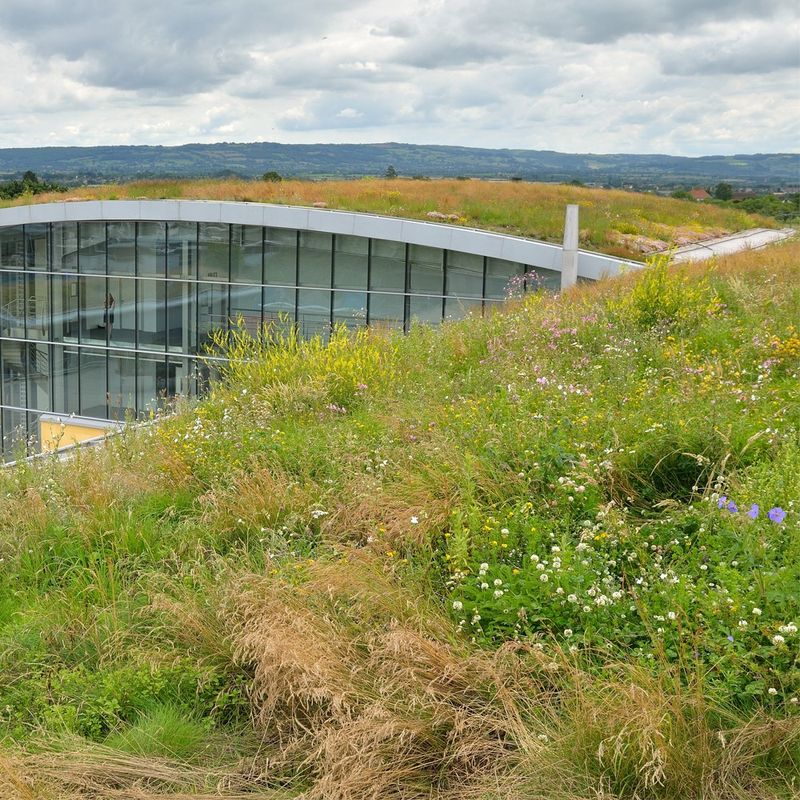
685	77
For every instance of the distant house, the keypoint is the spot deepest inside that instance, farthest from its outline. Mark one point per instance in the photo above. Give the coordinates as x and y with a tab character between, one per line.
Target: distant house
699	194
744	194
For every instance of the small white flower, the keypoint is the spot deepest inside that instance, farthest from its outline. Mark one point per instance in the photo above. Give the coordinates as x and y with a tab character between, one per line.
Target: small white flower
555	549
772	690
543	577
414	520
777	639
742	623
534	558
704	567
484	585
587	609
568	632
484	566
573	598
504	531
757	612
498	593
672	615
457	605
498	582
793	700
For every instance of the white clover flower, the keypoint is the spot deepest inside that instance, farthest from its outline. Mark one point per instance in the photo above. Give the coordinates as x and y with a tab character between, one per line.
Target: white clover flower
794	700
567	632
788	629
772	690
540	566
559	590
742	623
617	595
757	612
672	615
498	582
543	577
534	558
484	567
504	531
457	605
587	609
573	598
704	567
498	593
555	549
414	520
777	639
484	585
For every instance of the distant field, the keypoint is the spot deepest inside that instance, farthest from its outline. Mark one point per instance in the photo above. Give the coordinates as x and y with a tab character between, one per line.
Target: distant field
626	224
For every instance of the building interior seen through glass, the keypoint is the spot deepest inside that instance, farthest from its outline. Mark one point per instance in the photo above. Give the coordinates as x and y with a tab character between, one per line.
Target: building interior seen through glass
107	320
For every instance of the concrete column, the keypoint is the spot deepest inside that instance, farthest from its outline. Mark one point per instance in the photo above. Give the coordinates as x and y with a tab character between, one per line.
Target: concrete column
569	262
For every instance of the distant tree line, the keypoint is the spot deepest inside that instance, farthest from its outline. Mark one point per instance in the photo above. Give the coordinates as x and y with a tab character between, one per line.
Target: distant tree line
29	184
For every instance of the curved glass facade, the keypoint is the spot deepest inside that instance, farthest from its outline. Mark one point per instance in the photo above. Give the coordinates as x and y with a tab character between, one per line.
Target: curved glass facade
105	319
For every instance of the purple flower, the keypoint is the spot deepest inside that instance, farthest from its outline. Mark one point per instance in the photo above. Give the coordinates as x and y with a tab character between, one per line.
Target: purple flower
732	507
729	638
721	502
777	514
753	512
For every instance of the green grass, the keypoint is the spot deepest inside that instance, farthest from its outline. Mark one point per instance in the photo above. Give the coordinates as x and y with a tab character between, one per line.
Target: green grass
490	560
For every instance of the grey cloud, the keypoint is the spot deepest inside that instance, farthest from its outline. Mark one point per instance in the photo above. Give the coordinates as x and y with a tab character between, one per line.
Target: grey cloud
767	52
591	22
188	47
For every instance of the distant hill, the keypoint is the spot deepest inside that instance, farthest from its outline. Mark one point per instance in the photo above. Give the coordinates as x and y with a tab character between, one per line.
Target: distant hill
88	164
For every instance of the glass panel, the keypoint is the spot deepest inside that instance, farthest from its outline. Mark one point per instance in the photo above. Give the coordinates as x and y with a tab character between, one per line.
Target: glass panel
426	269
121	385
12	247
547	279
92	256
93	384
246	253
279	307
426	309
65	247
65	380
151	248
181	249
315	259
498	276
37	306
386	310
464	274
246	307
152	384
314	312
37	245
151	315
213	250
280	255
388	268
96	310
12	304
14	357
458	307
38	356
180	377
350	308
65	307
181	317
121	248
350	262
121	317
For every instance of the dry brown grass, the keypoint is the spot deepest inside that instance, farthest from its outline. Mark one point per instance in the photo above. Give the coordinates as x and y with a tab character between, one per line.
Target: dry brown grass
611	220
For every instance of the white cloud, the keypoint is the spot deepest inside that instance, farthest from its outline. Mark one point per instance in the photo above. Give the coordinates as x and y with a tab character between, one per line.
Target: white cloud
574	75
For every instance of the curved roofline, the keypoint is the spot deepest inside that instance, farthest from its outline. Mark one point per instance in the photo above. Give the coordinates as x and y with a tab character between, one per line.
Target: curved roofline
433	234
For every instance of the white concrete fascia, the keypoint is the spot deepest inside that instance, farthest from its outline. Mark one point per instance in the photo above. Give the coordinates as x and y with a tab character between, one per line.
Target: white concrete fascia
432	234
